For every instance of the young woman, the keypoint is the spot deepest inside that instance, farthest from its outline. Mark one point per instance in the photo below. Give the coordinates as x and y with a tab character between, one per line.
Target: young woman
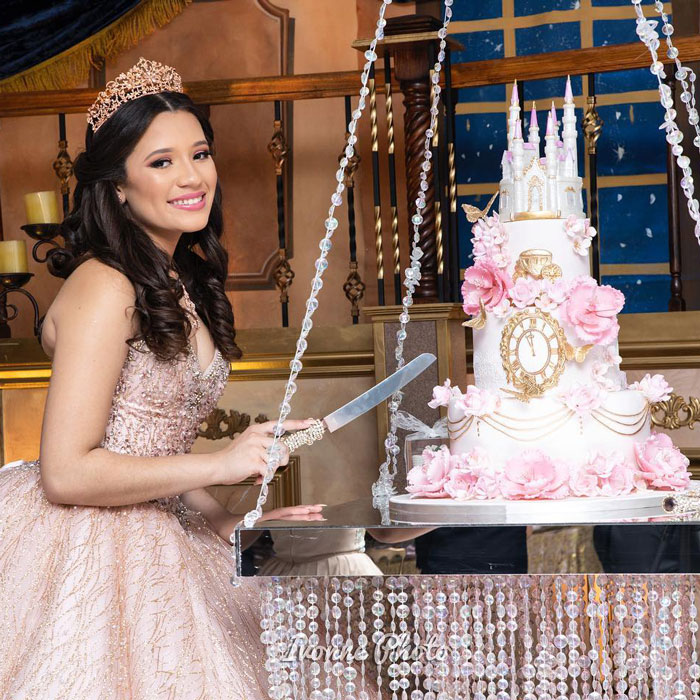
114	562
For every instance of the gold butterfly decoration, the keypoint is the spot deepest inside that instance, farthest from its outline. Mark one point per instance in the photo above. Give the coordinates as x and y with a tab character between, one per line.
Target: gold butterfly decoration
474	213
478	322
578	354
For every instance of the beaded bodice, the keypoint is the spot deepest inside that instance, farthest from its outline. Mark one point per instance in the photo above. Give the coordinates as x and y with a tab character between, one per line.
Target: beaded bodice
158	405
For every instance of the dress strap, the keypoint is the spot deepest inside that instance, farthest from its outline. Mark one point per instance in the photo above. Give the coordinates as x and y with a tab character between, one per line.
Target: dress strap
188	304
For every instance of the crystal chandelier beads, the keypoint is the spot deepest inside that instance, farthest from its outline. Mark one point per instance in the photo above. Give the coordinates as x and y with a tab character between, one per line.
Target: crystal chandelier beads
622	637
646	30
383	488
320	265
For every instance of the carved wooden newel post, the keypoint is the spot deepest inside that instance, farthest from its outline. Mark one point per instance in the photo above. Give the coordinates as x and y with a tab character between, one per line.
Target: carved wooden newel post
412	63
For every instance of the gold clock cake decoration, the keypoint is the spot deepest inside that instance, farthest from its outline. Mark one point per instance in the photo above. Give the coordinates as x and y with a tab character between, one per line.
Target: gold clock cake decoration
533	352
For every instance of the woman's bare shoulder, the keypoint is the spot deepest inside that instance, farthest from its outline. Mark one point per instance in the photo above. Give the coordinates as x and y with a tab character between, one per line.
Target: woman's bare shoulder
93	293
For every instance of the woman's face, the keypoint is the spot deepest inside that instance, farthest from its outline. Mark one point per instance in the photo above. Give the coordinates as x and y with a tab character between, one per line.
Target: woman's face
170	179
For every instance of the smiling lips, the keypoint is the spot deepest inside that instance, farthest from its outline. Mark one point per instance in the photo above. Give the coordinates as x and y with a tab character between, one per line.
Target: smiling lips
192	203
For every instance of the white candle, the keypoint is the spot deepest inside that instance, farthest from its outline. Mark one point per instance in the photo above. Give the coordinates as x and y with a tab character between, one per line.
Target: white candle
13	257
42	208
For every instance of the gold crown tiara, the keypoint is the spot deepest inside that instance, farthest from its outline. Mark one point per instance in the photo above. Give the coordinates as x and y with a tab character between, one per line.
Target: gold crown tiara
145	78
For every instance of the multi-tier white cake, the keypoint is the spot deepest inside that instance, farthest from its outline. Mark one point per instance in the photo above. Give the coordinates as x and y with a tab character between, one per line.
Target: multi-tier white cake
550	415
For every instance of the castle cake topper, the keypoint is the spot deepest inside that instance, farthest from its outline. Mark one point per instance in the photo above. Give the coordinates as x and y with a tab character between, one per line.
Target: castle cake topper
536	186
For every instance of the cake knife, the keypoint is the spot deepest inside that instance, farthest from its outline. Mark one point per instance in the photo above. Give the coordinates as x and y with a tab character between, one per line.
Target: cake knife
363	403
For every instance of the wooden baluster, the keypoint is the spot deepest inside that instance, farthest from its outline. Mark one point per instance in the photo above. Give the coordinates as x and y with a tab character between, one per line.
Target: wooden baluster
283	273
378	238
676	302
452	224
592	127
392	180
353	287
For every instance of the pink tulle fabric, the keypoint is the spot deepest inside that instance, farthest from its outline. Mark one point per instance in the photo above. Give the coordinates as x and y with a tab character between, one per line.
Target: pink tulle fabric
131	602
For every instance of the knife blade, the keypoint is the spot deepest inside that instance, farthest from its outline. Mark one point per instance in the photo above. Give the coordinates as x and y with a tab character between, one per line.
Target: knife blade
361	404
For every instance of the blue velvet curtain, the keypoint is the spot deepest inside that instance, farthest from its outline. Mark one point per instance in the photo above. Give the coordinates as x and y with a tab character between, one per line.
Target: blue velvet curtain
33	31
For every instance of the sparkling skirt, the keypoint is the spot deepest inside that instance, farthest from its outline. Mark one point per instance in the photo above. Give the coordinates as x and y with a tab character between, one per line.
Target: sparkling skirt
115	603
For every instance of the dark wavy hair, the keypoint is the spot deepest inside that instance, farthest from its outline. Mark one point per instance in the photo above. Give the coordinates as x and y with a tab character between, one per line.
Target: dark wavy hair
100	227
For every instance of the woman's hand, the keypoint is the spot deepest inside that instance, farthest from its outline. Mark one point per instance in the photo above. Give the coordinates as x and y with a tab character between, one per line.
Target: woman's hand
247	455
304	513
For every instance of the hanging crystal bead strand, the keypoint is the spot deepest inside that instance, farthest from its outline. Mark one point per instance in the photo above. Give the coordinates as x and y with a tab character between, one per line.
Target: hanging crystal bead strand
441	614
393	667
378	625
268	637
620	644
465	614
362	653
573	613
331	223
560	642
478	637
679	687
328	692
665	643
454	641
337	640
501	640
655	657
641	648
528	670
383	488
542	660
646	30
490	628
292	665
402	612
512	626
298	674
349	672
694	668
417	665
313	612
593	614
428	615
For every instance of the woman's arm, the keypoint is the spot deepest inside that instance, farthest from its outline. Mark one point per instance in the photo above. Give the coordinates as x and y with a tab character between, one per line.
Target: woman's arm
93	316
224	523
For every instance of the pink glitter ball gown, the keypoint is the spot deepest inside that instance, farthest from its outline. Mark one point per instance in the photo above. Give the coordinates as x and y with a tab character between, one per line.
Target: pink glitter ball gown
131	602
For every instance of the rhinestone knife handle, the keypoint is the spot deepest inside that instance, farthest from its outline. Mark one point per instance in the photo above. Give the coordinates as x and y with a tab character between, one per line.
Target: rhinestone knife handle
308	436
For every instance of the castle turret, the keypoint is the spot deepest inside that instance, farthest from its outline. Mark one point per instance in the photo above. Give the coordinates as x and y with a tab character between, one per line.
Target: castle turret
534	186
534	134
551	156
569	133
513	114
518	151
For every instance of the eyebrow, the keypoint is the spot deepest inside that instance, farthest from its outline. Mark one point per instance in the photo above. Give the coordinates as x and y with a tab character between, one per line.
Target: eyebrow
167	150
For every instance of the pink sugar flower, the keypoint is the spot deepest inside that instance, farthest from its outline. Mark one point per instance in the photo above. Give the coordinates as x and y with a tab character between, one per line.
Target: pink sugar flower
582	398
460	484
502	309
443	394
661	463
604	475
592	311
477	402
428	479
524	292
484	282
535	475
654	389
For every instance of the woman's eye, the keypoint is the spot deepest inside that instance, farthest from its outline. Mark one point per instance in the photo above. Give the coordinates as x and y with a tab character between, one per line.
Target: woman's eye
159	163
203	154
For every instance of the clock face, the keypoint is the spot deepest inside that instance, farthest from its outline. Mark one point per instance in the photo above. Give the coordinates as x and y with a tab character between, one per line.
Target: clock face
533	351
